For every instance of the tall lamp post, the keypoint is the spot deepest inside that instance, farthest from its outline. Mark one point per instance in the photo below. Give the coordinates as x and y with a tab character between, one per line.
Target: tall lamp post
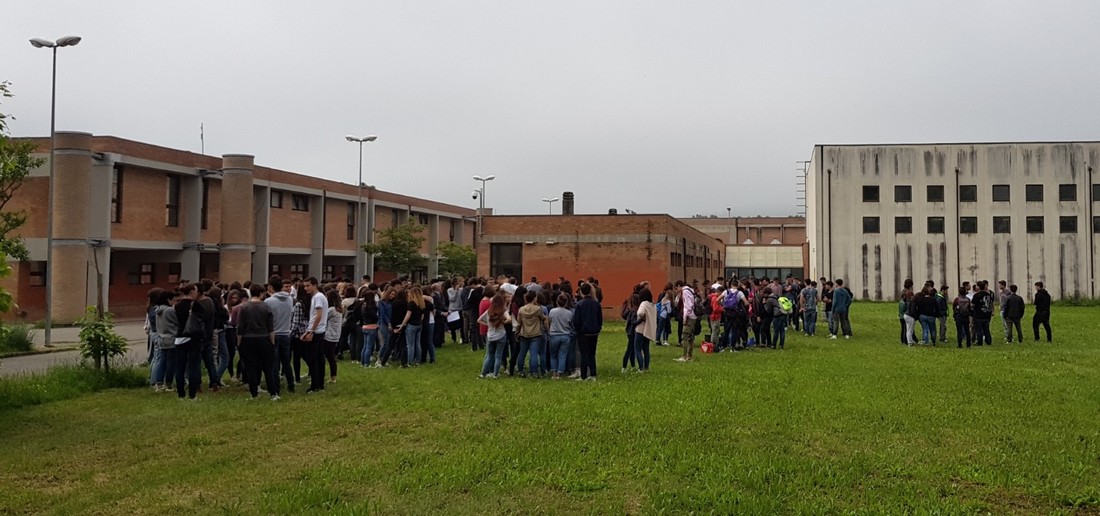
66	41
481	208
550	202
359	205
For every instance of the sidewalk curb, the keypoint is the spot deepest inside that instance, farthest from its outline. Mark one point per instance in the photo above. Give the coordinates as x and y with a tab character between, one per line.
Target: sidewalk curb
65	346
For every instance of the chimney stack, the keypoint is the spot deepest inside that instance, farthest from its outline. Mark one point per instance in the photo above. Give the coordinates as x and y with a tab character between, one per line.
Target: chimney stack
567	203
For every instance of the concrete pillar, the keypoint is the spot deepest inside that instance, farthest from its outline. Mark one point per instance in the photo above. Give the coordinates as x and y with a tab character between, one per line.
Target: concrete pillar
317	234
433	246
237	228
359	263
99	228
68	261
261	258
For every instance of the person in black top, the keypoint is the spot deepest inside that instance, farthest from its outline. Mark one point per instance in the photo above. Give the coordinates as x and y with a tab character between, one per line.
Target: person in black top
926	314
473	303
188	344
1042	311
982	312
1013	312
256	338
399	311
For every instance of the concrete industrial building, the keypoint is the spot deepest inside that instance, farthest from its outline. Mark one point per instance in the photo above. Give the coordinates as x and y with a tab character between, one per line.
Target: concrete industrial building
149	216
1021	212
759	246
618	250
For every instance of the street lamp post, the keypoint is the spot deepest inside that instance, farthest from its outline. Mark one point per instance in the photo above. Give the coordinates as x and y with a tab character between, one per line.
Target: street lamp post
66	41
729	222
359	205
481	197
550	202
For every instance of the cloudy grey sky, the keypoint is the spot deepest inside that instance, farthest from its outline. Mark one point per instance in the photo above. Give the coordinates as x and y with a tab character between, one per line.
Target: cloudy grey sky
655	106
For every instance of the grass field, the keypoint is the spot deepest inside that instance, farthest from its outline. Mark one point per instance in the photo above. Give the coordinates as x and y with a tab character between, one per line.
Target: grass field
864	426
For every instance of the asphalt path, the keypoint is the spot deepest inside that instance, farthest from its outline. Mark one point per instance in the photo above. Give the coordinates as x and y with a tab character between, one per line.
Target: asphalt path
63	351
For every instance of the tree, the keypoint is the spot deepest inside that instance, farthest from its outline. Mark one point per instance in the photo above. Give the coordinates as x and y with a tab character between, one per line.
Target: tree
457	259
16	162
398	249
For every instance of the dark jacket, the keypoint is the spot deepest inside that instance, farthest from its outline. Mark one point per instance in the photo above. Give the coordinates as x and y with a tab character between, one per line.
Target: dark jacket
1014	307
587	317
1042	301
941	305
926	305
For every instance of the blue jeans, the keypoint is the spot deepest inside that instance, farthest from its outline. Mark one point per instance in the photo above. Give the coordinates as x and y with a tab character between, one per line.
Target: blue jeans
532	345
779	331
493	355
641	348
832	323
412	343
928	328
664	329
207	353
370	338
282	361
223	355
559	352
429	344
630	354
811	322
157	366
962	329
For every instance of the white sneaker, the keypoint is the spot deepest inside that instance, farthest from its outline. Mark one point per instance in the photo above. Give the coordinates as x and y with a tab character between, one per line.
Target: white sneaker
275	397
846	337
832	337
681	359
624	370
591	379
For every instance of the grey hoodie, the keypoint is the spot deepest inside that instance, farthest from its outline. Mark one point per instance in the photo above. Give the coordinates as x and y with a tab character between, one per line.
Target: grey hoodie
281	305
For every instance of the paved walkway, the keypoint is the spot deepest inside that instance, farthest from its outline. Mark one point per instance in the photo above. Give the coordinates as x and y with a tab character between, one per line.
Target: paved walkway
63	349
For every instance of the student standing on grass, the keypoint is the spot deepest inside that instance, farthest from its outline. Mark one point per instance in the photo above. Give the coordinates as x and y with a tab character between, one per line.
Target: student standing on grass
588	322
687	303
907	315
164	330
188	344
256	340
369	323
1002	298
494	319
982	313
334	320
779	317
1042	311
412	324
809	308
532	325
282	309
561	335
646	331
314	337
961	306
926	308
827	300
842	302
630	315
941	312
1013	312
664	315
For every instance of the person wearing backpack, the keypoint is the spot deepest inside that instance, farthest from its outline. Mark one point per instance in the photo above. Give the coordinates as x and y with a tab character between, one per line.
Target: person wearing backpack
690	312
961	310
907	313
982	313
779	307
733	312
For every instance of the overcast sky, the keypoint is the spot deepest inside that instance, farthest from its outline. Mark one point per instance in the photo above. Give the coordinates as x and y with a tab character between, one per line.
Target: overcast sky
659	107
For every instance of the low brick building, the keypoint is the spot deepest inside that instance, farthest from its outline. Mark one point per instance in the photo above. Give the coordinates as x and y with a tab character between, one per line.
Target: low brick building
142	216
618	250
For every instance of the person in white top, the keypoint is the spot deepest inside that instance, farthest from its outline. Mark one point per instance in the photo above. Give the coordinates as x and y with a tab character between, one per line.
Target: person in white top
314	336
687	305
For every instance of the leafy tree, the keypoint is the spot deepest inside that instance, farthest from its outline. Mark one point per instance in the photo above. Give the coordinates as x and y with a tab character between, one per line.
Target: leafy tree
457	259
16	162
398	249
98	339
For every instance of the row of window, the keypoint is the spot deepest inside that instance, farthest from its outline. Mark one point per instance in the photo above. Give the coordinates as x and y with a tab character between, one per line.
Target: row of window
298	202
969	225
969	193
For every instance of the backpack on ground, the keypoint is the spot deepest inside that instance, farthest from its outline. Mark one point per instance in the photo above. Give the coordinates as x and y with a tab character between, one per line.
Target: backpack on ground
785	305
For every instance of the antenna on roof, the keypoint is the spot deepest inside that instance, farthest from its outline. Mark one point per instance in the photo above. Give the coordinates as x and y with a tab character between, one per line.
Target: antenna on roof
202	139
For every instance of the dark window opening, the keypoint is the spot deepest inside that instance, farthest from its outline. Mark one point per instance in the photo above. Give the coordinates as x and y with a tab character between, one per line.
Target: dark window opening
205	200
299	202
1001	193
1034	224
1033	193
935	225
935	193
1067	224
870	193
143	275
903	193
1067	193
175	270
37	273
172	203
116	194
506	259
903	224
351	221
1002	224
276	199
968	193
870	225
968	225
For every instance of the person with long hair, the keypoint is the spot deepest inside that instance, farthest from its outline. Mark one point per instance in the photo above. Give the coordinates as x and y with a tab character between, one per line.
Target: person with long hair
412	324
188	342
494	319
630	315
646	331
399	304
385	335
561	335
334	322
533	323
368	322
233	305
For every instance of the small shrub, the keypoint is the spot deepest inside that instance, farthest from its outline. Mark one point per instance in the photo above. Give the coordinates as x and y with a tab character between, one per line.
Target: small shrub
1077	301
17	337
98	340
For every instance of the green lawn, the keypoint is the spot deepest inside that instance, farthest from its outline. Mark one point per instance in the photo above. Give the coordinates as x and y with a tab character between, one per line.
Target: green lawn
864	426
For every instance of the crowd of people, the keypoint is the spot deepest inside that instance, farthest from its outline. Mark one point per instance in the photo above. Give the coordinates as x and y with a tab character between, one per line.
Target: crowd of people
538	330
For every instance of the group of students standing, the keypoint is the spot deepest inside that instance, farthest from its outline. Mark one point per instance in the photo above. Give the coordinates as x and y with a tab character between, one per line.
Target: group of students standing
972	310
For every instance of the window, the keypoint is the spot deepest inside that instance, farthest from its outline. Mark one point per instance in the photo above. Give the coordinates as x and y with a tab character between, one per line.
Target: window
205	200
1067	193
1033	193
968	225
1001	193
116	194
351	221
1095	193
870	193
143	275
506	259
968	193
276	270
870	225
394	218
1034	224
298	270
37	274
935	193
1067	224
175	270
327	272
454	229
1096	224
903	193
276	199
935	225
1002	224
299	202
173	202
422	218
903	224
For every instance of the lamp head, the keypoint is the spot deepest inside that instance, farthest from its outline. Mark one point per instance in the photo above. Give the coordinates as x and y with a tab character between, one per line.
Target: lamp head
490	178
68	41
40	43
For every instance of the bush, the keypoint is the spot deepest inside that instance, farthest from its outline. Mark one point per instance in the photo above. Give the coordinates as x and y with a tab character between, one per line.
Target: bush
98	340
17	337
64	382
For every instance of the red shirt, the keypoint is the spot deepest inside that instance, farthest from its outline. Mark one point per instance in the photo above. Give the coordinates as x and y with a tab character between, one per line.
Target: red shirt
481	309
